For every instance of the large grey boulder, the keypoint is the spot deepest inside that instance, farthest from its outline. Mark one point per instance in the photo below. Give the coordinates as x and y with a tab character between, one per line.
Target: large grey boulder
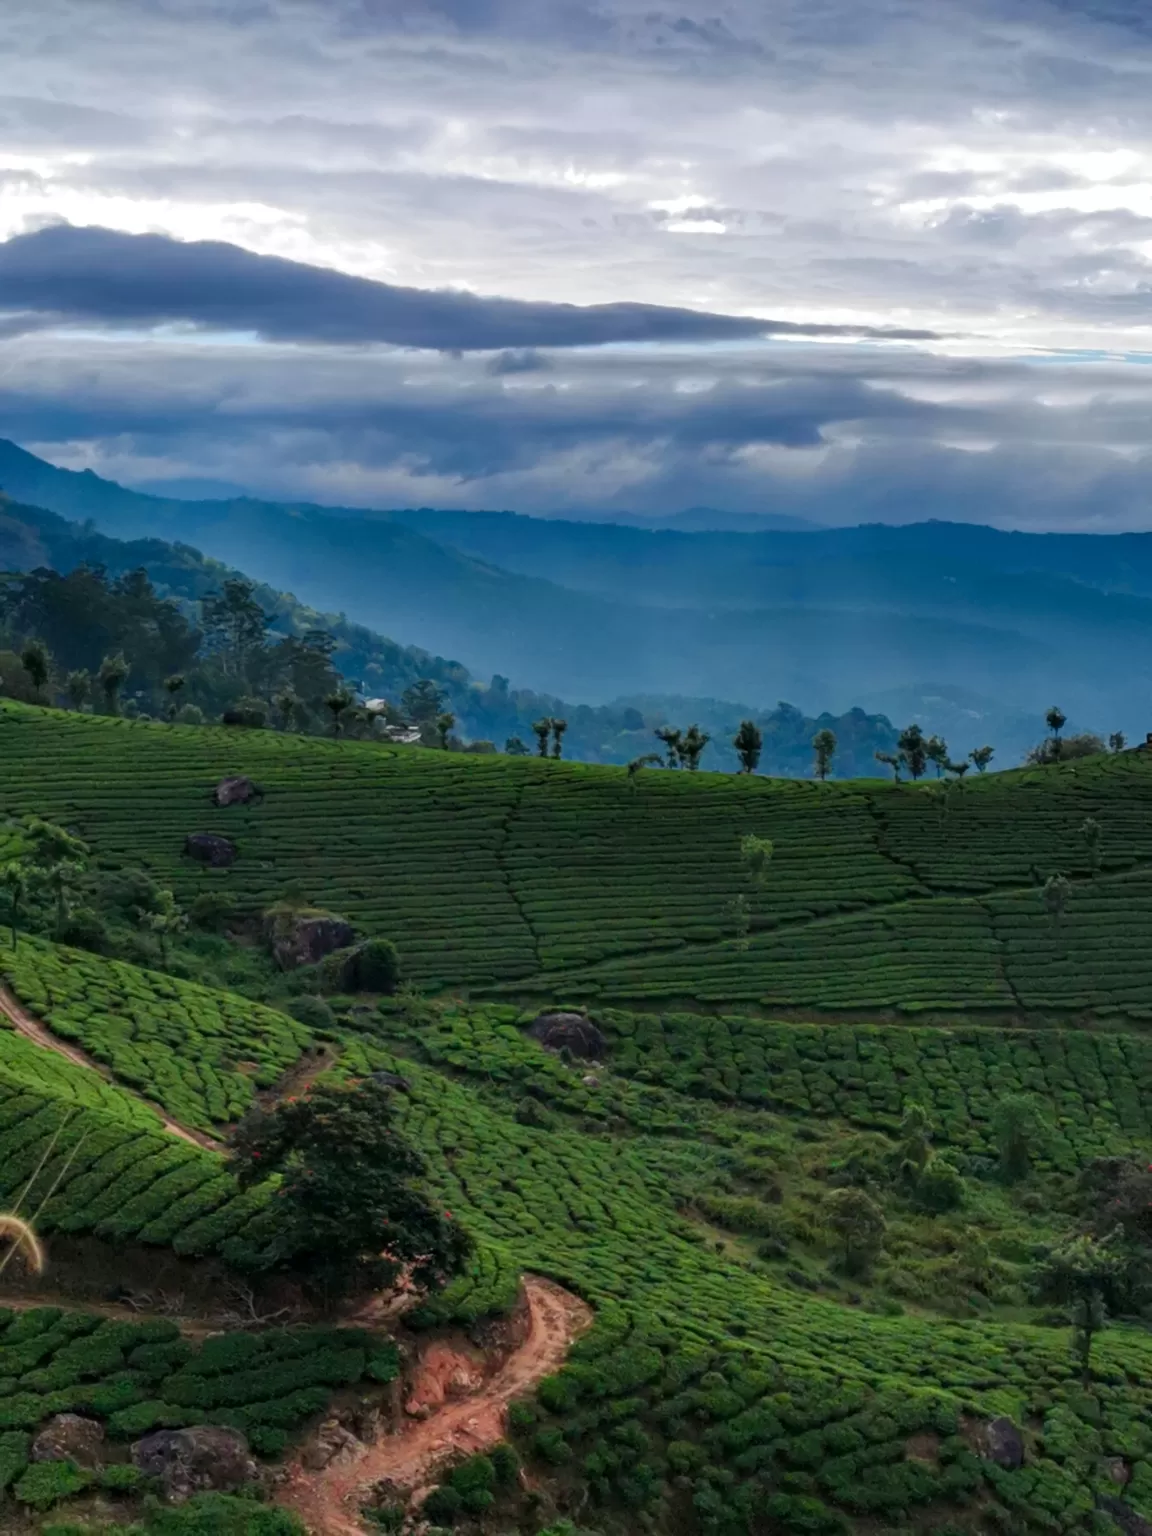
1125	1517
305	938
68	1437
1003	1443
210	848
202	1459
573	1032
235	790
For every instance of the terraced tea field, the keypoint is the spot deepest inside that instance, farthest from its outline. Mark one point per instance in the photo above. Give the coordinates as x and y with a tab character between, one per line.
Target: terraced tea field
544	878
729	1386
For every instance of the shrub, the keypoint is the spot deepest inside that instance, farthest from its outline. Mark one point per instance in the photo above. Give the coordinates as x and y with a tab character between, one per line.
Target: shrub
372	966
443	1503
313	1012
121	1478
251	713
85	929
212	910
45	1483
940	1188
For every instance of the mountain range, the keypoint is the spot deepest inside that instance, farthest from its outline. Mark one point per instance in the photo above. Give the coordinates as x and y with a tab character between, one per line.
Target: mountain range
829	618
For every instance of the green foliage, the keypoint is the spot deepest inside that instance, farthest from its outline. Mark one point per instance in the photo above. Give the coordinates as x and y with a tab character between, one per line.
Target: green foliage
1019	1128
371	966
313	1012
858	1224
349	1211
45	1483
173	1041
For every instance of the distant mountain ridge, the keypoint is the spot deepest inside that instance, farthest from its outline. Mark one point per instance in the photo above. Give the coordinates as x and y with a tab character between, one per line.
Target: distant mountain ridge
826	617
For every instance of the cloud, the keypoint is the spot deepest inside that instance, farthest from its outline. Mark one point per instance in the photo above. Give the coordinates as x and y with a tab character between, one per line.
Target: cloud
106	276
349	176
526	360
833	434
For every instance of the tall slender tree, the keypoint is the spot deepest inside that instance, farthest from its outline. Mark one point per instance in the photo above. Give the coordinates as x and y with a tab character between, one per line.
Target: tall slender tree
445	724
1117	741
543	730
15	878
558	729
749	743
936	751
339	700
1055	893
1079	1272
980	757
37	662
891	760
1055	720
78	687
112	676
173	686
673	743
824	746
692	747
914	751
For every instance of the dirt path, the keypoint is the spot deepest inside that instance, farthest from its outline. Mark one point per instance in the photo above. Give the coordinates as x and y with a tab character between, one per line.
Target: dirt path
32	1029
329	1501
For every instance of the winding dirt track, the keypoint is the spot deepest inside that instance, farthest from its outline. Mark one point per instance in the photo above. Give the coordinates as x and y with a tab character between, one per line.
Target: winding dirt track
328	1502
32	1029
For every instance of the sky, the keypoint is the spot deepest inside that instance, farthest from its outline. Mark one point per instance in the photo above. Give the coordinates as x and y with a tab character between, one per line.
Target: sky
841	259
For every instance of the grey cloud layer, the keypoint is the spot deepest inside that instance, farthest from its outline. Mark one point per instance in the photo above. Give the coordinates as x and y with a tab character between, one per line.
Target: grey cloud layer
103	275
979	169
833	436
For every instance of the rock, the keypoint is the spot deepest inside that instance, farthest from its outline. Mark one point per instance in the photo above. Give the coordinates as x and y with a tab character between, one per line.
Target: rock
1003	1443
392	1080
1124	1516
369	1424
68	1437
331	1443
202	1459
235	791
1117	1471
572	1032
306	937
211	849
591	1080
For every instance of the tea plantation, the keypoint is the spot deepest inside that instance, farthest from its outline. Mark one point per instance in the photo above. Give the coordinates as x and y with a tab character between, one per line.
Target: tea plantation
198	1053
736	1381
537	877
714	1381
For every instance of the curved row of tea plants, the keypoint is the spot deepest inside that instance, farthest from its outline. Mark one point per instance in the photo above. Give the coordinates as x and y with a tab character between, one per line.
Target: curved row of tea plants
198	1052
80	1156
708	1383
490	870
139	1376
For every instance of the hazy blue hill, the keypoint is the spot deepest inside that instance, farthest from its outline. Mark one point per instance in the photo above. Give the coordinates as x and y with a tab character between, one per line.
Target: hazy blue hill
591	610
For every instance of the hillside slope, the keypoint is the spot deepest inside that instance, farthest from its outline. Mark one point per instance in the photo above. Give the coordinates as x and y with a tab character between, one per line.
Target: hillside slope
592	611
548	877
737	1379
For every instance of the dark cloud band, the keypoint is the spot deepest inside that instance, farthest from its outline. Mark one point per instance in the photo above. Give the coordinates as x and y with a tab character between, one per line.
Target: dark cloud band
110	278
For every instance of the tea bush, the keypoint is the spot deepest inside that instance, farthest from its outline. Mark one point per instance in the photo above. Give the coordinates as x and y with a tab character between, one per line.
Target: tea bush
140	1376
197	1052
489	870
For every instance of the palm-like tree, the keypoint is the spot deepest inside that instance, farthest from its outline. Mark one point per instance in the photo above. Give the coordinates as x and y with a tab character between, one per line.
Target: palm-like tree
336	703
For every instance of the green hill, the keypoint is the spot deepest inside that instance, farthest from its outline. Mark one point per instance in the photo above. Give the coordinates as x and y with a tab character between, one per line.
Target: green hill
547	878
738	1381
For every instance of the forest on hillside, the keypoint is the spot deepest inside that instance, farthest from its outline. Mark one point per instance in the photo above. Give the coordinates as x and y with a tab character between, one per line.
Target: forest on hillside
237	646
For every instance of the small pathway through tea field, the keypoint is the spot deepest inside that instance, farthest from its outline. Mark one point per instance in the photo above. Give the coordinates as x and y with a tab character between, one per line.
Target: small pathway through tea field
32	1029
329	1501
